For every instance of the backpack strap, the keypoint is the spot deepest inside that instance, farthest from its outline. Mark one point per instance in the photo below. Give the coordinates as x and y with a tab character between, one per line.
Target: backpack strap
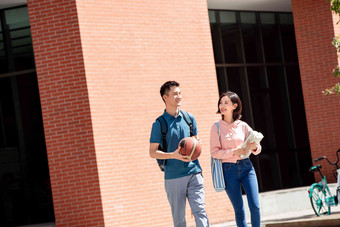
164	130
189	122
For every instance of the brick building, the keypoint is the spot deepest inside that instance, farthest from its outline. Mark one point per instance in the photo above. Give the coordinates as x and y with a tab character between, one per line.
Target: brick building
79	90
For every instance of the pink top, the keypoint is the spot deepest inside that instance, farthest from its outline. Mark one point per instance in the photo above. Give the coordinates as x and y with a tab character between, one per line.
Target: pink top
232	136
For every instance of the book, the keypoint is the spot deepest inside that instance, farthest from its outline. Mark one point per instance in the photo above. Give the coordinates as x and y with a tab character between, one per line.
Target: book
253	136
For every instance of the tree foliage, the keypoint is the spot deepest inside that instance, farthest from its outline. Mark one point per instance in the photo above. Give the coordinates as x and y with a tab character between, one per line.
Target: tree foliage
335	8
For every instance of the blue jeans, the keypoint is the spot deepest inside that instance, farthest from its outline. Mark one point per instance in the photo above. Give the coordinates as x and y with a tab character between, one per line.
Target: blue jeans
235	175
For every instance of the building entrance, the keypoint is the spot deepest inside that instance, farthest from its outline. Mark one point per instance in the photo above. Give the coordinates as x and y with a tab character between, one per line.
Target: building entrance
25	191
256	57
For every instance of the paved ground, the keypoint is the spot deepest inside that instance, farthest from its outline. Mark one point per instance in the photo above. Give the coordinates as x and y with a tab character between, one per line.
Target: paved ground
304	218
296	218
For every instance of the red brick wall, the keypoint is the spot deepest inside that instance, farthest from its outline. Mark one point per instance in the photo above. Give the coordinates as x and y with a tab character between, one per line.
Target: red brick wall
315	28
141	44
66	113
100	67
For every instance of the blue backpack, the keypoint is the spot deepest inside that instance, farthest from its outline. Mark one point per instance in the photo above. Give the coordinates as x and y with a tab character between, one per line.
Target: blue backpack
164	130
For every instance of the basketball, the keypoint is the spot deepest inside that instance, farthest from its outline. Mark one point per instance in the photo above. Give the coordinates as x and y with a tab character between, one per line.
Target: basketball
191	147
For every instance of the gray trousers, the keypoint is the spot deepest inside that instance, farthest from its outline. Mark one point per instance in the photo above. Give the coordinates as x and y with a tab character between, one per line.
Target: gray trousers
190	187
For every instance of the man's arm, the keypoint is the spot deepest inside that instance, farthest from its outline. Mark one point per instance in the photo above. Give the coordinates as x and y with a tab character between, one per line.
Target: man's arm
155	153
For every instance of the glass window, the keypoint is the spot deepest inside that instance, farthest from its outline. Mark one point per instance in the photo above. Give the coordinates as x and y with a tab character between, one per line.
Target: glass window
297	104
231	38
3	61
257	79
227	17
235	79
251	38
17	18
286	18
212	16
277	98
26	195
261	104
20	45
215	37
289	43
23	156
271	43
289	168
269	169
267	18
244	44
248	18
222	76
8	125
252	43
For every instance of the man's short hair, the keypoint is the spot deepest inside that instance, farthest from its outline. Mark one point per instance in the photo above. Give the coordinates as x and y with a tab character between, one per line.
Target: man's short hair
166	87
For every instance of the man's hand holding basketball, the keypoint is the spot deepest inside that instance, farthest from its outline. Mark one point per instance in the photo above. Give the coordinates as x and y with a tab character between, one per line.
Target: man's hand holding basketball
178	156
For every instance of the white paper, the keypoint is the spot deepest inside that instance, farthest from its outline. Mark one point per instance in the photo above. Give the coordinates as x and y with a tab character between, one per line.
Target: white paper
253	136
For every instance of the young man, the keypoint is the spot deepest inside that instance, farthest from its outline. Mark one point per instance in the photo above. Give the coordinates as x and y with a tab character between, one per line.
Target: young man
183	178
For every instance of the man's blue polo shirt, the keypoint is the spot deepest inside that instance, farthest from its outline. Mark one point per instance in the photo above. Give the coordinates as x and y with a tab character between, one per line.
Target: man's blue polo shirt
177	130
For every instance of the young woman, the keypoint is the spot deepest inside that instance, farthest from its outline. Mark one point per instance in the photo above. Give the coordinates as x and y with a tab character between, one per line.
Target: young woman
237	171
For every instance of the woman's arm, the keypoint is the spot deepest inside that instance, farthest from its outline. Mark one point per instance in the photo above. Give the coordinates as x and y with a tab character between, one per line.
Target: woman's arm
216	148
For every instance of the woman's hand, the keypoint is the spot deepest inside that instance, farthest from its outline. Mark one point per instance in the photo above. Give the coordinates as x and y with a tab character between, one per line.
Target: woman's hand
240	151
251	146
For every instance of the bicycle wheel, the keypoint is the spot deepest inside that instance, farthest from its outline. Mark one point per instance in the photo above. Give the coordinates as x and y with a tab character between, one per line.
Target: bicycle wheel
318	201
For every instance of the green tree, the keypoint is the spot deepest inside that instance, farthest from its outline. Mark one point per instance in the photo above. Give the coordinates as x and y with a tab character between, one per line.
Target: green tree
335	8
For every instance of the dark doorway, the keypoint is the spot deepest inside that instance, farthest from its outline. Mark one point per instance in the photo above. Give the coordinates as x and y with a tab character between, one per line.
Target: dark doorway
25	191
256	57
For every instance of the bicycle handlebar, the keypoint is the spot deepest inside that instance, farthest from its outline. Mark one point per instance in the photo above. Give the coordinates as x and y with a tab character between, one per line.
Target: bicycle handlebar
334	163
320	158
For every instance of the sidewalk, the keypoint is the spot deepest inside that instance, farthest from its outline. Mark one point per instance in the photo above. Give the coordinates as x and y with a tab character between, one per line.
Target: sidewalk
305	218
289	207
281	208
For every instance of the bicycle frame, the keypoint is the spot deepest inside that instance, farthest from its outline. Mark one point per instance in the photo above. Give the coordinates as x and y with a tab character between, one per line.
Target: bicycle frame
323	184
320	196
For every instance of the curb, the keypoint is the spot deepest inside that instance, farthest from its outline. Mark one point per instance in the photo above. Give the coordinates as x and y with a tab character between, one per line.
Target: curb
329	220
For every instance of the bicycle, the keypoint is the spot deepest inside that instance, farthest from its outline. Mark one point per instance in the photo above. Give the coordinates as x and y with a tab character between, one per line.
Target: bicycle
320	196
